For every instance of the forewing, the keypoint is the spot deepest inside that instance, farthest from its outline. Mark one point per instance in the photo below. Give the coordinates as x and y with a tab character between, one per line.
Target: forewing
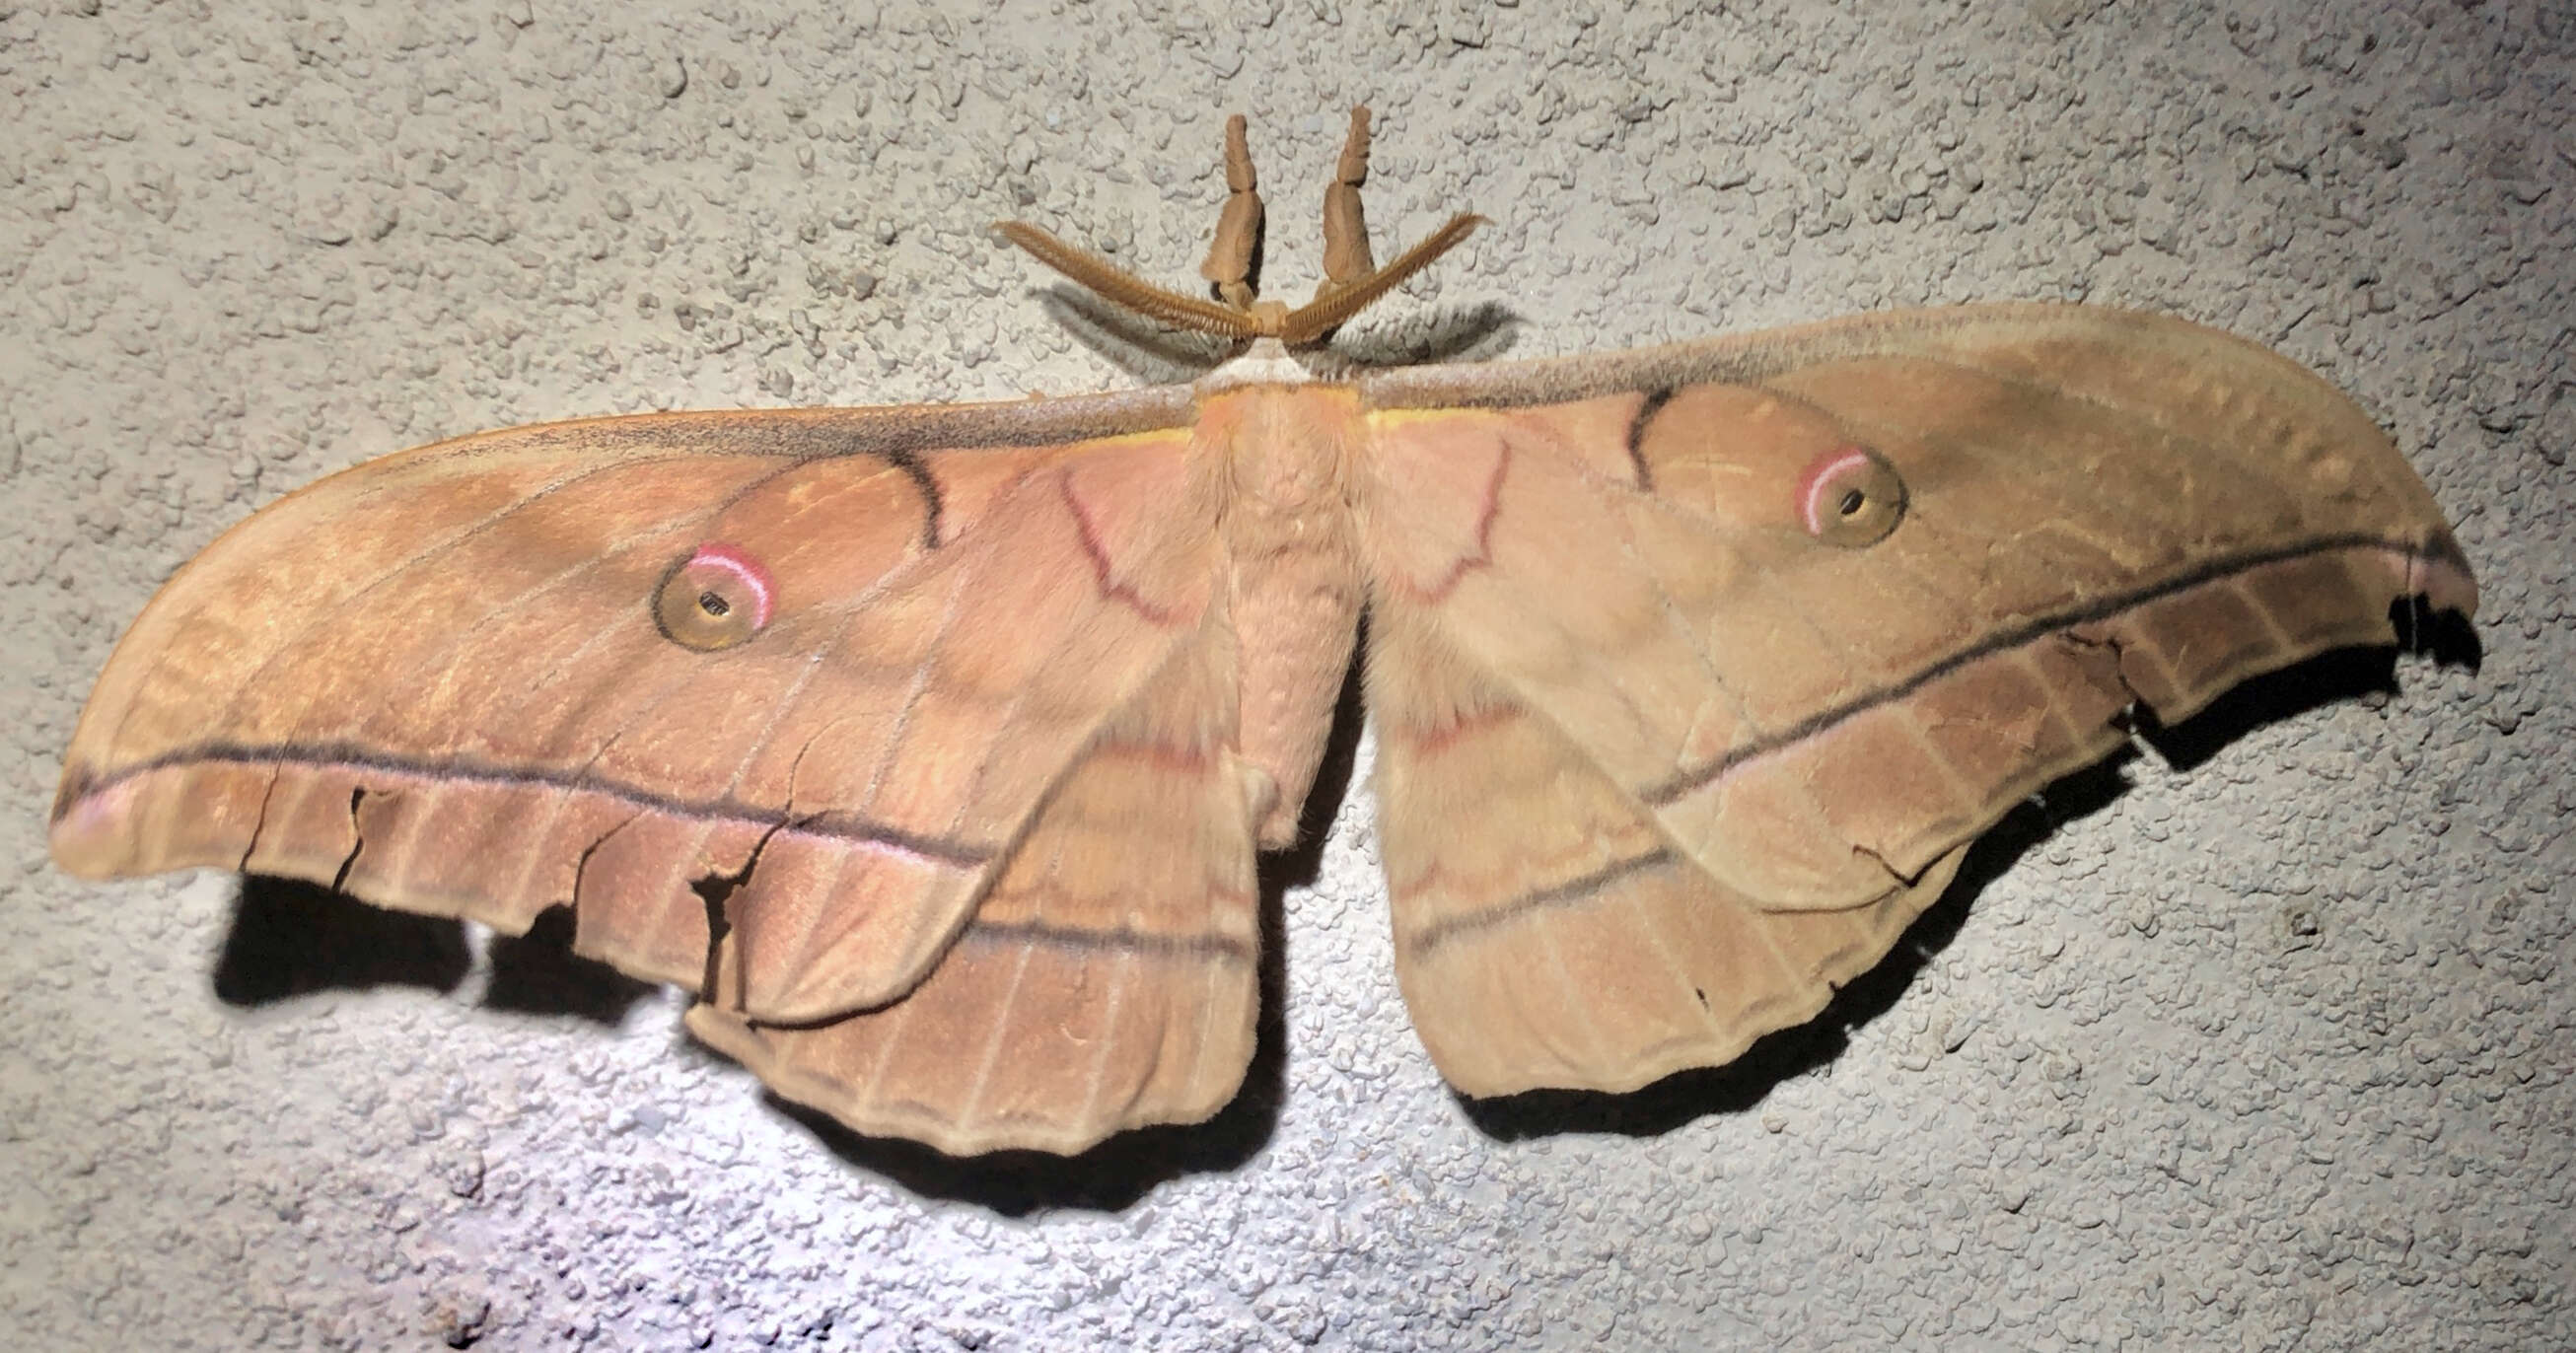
439	680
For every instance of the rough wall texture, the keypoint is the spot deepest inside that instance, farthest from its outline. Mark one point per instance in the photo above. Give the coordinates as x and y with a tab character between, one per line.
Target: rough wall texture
2267	1045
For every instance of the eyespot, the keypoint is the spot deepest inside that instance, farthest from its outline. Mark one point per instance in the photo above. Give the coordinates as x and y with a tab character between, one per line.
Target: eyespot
714	599
1850	496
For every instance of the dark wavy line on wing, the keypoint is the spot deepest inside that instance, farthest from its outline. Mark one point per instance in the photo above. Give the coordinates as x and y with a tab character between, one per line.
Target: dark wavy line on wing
1122	940
80	784
1422	942
2439	550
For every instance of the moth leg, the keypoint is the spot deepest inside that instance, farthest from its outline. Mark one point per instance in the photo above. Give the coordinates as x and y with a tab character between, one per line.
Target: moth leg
1352	279
1234	260
1347	260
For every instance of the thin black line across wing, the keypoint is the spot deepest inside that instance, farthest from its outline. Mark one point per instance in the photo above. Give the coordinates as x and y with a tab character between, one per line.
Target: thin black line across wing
1575	890
2442	549
1440	932
1121	940
80	784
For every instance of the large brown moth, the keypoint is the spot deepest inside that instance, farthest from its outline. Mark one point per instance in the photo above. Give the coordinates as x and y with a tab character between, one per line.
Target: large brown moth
931	746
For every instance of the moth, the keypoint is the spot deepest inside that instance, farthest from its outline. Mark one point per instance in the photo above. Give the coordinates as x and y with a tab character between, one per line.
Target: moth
932	746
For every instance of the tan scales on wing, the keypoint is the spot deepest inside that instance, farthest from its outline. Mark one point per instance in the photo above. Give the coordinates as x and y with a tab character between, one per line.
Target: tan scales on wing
781	755
1109	980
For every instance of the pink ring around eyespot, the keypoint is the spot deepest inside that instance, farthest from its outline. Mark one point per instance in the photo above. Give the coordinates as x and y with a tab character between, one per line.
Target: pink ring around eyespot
1811	484
742	567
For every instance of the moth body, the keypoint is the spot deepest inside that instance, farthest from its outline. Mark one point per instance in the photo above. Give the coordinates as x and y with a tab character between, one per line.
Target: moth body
1285	453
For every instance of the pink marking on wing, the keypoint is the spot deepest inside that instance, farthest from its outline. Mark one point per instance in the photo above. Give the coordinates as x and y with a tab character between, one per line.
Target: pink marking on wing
1101	567
2445	586
1179	760
94	811
746	570
1811	485
1439	591
1429	742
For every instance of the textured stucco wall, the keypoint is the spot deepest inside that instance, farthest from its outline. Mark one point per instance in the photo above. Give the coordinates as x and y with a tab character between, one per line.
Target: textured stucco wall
2269	1049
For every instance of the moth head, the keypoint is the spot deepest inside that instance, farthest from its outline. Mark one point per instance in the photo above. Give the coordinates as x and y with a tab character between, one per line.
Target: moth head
1850	496
714	598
